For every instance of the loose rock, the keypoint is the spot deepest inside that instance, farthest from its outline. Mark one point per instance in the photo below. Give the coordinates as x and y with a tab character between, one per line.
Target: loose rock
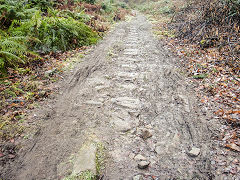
127	102
50	72
146	134
143	164
138	177
121	125
158	149
94	103
139	157
194	152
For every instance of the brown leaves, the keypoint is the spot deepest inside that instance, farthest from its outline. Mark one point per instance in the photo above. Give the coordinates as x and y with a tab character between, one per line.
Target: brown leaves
233	146
214	71
27	85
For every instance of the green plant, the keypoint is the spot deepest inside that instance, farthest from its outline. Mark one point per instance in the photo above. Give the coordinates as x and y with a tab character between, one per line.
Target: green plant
55	33
8	129
200	76
13	50
90	1
161	7
107	6
43	4
100	157
77	15
123	5
86	175
14	10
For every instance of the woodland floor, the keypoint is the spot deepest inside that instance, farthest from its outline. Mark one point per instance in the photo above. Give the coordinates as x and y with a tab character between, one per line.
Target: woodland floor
130	96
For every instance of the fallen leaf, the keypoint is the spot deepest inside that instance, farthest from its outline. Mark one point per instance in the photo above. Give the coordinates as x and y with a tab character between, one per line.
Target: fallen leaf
233	146
11	156
1	154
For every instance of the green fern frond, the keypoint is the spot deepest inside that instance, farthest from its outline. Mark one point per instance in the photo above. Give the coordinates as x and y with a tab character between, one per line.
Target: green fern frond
14	50
11	58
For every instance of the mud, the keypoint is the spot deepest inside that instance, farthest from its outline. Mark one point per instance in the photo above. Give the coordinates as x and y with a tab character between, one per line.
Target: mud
129	94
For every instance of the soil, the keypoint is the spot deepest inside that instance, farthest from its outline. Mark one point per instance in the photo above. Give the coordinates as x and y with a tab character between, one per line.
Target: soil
130	95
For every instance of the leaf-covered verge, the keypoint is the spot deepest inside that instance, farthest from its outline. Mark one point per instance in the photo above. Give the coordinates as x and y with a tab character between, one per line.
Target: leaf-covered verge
37	41
206	37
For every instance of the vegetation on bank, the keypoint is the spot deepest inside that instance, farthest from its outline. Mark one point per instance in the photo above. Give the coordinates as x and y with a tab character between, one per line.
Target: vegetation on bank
32	27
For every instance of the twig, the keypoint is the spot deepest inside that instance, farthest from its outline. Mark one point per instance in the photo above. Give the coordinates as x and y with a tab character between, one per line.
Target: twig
233	77
7	77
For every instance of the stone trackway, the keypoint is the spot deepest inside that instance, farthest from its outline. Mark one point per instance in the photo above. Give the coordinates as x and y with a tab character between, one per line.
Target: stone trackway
128	95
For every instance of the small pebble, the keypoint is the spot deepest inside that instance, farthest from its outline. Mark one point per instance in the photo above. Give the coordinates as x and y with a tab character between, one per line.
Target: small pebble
194	152
139	157
146	134
138	177
143	164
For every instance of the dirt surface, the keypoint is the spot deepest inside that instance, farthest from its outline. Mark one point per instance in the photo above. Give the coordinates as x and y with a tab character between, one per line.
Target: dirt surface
129	94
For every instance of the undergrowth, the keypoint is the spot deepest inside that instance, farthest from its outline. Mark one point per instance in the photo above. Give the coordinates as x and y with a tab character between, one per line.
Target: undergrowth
30	28
54	33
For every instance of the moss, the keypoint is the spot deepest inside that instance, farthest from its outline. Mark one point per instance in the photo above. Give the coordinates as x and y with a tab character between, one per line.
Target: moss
200	76
99	160
86	175
9	129
165	33
100	157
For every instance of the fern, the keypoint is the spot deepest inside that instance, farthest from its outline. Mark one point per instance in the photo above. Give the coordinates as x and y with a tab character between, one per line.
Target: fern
14	10
14	51
43	5
24	30
79	15
55	33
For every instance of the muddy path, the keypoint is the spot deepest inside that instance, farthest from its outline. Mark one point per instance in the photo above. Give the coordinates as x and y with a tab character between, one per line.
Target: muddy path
129	96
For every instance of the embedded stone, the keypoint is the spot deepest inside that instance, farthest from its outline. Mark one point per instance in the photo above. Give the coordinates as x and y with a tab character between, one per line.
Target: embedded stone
194	152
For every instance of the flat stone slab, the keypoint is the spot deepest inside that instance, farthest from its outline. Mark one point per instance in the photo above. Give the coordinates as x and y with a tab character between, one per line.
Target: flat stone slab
121	125
117	155
96	103
129	86
127	74
169	145
130	41
133	36
129	66
99	88
85	159
127	102
131	45
132	52
133	32
129	59
97	81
